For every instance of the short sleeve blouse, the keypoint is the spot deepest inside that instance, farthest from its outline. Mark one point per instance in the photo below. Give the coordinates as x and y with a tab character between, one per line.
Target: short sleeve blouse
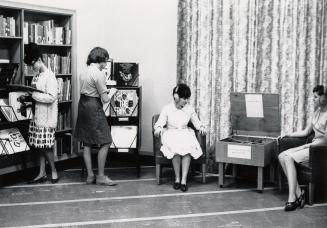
93	81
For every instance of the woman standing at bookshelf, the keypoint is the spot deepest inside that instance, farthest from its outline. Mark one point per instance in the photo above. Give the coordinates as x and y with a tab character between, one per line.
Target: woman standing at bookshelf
45	108
92	126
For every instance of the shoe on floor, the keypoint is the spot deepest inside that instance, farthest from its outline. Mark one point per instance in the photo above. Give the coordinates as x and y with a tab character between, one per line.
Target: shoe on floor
104	180
38	180
90	180
184	187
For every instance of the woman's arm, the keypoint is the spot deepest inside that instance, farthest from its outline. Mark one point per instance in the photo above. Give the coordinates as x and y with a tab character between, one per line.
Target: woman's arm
197	123
161	122
304	133
51	93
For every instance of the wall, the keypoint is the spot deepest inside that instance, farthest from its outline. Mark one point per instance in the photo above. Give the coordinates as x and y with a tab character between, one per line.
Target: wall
143	31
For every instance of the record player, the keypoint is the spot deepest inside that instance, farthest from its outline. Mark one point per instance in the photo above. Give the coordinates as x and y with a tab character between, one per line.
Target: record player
255	120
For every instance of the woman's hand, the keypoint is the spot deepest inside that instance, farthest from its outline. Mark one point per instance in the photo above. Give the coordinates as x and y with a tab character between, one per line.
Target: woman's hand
157	131
202	130
112	92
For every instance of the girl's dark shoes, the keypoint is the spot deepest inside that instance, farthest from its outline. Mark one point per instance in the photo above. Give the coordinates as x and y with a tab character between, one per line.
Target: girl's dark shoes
177	185
38	180
291	206
184	187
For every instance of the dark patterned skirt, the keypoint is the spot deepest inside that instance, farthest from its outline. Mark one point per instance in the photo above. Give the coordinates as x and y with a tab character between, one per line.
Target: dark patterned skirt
41	137
91	125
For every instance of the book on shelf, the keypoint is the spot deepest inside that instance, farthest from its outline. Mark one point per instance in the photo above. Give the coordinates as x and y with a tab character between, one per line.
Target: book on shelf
63	145
7	26
47	32
12	141
64	89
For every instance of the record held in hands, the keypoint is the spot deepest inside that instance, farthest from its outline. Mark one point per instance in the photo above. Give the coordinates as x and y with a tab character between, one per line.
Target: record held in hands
17	87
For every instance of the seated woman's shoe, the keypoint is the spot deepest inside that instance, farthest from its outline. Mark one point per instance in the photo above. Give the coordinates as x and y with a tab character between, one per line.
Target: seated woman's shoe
184	187
38	180
291	206
301	199
104	180
177	185
90	180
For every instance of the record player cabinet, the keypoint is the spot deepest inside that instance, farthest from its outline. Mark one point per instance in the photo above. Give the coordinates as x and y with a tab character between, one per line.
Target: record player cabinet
256	125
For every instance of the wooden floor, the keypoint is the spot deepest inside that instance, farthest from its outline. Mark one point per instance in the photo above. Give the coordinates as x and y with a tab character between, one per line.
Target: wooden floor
141	203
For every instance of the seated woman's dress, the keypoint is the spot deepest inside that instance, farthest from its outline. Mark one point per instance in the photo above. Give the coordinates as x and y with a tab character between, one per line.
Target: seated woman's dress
319	126
177	138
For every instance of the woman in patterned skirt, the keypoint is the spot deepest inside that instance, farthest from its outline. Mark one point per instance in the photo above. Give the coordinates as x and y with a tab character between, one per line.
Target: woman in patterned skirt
45	106
92	126
178	140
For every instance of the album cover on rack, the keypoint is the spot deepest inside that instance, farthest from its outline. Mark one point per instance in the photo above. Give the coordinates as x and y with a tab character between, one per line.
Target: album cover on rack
124	136
124	103
12	141
126	74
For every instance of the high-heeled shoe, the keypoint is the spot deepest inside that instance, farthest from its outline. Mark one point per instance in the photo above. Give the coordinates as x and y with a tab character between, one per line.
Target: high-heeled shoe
301	199
177	185
291	206
38	180
54	180
184	187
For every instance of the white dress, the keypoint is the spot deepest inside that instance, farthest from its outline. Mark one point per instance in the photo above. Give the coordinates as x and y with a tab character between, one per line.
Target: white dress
177	138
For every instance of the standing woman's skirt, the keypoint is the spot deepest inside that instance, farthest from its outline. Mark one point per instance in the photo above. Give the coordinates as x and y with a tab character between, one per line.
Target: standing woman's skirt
92	126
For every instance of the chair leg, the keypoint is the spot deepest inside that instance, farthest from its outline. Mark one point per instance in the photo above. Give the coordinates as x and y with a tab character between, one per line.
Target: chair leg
158	173
204	170
311	193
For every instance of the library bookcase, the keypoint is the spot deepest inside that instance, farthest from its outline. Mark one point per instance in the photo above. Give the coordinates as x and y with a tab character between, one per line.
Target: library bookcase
53	29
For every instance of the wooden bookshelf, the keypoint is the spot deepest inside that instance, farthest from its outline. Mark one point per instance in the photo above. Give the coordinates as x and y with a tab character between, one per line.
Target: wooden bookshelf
54	31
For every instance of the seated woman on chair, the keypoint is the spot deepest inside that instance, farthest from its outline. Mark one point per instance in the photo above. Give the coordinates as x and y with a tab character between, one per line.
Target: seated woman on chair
178	140
299	154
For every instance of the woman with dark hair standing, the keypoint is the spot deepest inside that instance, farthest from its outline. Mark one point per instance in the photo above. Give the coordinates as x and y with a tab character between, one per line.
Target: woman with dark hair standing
92	126
43	125
318	126
178	140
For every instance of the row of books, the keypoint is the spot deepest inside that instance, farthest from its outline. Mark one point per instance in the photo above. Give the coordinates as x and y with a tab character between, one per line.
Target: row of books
46	32
64	89
64	120
56	63
7	26
63	145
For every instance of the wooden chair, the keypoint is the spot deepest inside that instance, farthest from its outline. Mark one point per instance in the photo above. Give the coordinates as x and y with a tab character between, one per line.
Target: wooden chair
313	172
161	161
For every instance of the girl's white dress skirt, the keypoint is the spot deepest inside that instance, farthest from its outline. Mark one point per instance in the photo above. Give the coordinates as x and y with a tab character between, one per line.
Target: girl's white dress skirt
180	142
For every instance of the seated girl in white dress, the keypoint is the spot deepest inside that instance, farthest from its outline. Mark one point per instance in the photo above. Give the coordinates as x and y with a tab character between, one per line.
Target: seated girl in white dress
179	142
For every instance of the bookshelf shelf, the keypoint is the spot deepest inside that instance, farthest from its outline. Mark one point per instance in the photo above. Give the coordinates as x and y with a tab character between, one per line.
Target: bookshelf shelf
54	31
11	37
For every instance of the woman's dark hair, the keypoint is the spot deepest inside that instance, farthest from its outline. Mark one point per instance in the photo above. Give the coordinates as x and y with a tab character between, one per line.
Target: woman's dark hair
319	89
32	53
97	55
182	90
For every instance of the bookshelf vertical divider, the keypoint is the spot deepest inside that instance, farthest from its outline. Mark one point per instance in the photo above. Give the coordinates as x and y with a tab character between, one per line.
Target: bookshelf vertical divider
54	30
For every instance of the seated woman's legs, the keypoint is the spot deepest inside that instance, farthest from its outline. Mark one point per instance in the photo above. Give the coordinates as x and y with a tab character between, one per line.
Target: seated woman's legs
288	165
177	168
186	160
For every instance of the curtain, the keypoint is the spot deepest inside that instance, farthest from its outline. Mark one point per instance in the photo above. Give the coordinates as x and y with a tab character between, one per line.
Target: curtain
263	46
